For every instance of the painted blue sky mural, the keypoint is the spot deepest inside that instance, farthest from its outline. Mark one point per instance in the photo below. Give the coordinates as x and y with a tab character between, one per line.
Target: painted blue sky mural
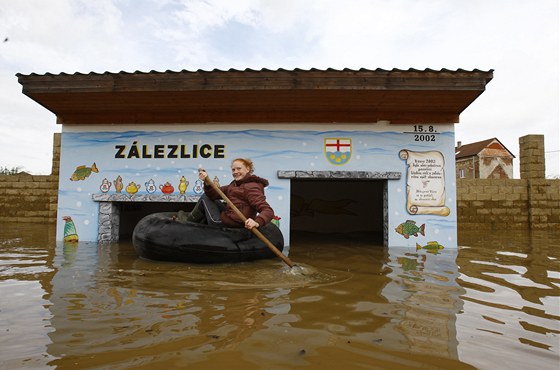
159	162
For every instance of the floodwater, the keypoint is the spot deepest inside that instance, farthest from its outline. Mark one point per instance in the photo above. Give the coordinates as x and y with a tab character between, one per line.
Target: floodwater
493	304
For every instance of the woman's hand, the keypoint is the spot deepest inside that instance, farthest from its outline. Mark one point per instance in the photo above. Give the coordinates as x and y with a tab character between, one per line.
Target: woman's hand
250	223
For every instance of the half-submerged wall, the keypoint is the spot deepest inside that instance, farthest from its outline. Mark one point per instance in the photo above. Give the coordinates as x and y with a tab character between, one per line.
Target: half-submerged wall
147	133
105	168
530	202
31	198
486	204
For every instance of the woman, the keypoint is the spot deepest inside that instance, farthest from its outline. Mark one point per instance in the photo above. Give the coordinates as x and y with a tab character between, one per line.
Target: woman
246	192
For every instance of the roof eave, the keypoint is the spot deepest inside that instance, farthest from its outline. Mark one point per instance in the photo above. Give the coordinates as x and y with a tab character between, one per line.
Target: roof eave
398	96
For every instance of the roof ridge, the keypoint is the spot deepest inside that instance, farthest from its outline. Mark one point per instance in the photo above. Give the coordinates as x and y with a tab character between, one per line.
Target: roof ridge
267	70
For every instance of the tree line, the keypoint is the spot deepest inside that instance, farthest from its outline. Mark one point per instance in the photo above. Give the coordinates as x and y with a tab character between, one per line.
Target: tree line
9	171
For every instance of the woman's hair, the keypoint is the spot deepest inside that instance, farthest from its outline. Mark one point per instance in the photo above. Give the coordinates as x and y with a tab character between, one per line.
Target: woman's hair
246	162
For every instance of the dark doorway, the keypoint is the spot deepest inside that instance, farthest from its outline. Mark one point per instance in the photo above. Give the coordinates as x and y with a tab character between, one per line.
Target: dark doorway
132	212
338	208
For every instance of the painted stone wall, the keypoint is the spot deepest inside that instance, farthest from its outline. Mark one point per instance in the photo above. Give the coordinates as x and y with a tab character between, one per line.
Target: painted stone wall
102	161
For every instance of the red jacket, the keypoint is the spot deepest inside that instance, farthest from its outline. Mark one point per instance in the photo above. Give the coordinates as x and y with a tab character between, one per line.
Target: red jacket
246	194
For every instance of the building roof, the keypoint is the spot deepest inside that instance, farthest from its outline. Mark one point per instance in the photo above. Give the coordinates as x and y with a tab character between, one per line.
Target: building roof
473	149
259	96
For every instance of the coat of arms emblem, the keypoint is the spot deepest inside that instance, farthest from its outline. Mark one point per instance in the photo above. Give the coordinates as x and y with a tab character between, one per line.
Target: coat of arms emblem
338	150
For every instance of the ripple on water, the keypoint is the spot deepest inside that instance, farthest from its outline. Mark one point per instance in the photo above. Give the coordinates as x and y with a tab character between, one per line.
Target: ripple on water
258	274
103	307
25	263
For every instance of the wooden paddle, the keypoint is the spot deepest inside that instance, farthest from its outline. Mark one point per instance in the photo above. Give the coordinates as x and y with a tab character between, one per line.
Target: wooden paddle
255	231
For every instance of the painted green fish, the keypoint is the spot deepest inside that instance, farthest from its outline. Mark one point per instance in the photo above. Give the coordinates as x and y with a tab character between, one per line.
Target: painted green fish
409	228
82	172
432	247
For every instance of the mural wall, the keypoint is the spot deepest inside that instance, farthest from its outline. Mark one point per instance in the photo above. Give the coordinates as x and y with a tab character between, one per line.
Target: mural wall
126	160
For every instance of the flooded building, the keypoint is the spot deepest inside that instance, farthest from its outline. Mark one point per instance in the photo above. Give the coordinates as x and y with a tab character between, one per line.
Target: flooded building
345	151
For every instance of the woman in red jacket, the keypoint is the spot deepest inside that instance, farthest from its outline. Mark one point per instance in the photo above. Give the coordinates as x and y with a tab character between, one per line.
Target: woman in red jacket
246	192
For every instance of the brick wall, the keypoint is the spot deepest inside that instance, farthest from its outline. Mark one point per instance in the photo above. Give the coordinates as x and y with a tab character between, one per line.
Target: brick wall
531	202
468	167
544	203
489	204
31	198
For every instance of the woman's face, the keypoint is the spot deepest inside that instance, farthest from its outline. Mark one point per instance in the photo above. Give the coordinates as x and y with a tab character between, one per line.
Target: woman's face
238	170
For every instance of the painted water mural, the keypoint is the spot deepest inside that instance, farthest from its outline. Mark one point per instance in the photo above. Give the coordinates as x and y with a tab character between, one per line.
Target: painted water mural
421	204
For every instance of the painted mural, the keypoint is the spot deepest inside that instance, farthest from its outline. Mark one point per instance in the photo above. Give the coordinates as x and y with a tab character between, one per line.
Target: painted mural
421	212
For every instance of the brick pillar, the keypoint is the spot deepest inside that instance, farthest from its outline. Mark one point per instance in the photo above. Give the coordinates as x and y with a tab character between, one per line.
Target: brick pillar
53	178
532	168
55	170
531	157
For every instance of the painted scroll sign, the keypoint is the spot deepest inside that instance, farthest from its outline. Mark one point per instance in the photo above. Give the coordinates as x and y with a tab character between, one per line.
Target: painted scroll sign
425	189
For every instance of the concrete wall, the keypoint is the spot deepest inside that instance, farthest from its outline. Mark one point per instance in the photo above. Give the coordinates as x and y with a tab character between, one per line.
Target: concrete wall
31	198
490	204
486	204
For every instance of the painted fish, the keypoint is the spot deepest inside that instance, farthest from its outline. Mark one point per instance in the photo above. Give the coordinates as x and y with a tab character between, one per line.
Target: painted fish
409	228
82	172
432	247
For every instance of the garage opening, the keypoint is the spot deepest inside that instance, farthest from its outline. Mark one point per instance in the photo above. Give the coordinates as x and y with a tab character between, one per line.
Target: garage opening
119	213
131	213
346	205
343	209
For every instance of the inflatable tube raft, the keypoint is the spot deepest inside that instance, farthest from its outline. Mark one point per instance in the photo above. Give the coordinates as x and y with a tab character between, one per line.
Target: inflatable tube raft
159	237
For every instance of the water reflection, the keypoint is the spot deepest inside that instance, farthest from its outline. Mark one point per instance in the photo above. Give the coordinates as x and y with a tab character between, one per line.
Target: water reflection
26	273
512	300
99	306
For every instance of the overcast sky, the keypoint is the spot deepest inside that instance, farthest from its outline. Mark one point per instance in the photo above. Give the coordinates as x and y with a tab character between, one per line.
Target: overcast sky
517	38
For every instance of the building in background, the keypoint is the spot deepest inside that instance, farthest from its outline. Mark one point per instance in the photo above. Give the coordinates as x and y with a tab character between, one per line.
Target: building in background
487	159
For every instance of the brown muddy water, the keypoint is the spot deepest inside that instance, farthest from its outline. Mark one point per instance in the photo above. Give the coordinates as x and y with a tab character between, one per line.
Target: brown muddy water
493	304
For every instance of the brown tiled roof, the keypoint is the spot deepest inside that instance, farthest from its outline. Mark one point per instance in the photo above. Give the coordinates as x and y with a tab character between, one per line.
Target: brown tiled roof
266	70
472	149
259	96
